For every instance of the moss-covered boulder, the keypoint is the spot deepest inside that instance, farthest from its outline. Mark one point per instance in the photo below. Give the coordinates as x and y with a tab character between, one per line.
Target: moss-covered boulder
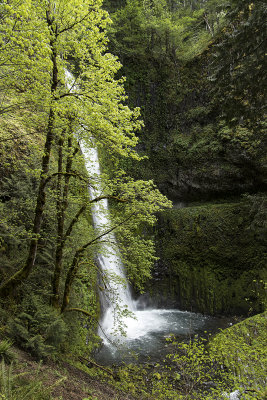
211	260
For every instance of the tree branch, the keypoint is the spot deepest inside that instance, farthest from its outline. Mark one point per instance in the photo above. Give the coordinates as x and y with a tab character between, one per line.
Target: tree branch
84	247
73	222
82	209
90	362
76	22
72	272
91	316
81	311
74	174
108	197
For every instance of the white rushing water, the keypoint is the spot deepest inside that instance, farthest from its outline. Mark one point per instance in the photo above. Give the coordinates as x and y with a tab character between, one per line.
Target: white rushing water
117	295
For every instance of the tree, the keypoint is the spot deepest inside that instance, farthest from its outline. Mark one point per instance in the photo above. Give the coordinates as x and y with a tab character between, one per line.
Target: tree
240	54
23	56
94	103
134	205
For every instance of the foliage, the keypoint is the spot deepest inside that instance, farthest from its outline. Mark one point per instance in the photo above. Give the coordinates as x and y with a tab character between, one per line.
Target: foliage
82	338
242	349
38	328
22	42
242	50
58	100
187	372
91	103
258	211
164	27
197	372
142	202
189	67
6	353
18	386
234	359
16	205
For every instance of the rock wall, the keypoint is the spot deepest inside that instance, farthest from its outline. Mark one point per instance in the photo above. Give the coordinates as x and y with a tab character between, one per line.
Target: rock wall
211	260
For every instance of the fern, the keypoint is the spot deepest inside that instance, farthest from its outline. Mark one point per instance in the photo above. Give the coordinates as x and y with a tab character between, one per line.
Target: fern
16	387
6	353
39	329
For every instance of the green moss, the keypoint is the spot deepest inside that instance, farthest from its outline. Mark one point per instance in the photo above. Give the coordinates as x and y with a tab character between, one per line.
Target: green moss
242	348
211	259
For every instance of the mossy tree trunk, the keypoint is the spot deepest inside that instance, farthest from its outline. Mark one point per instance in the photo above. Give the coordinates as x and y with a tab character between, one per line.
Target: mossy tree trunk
62	204
24	272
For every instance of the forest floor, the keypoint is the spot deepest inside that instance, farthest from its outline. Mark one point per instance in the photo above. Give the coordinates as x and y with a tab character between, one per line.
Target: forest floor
67	382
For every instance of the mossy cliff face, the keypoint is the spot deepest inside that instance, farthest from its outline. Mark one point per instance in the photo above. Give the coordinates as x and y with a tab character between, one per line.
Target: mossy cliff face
203	132
211	260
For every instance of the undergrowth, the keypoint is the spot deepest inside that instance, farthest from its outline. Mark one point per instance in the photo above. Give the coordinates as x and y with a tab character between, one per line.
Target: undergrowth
18	386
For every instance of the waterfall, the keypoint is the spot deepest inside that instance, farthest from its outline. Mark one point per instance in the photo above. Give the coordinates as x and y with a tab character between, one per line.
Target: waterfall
117	296
141	324
145	328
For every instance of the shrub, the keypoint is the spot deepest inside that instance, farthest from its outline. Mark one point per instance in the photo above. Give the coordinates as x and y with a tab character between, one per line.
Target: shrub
39	329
